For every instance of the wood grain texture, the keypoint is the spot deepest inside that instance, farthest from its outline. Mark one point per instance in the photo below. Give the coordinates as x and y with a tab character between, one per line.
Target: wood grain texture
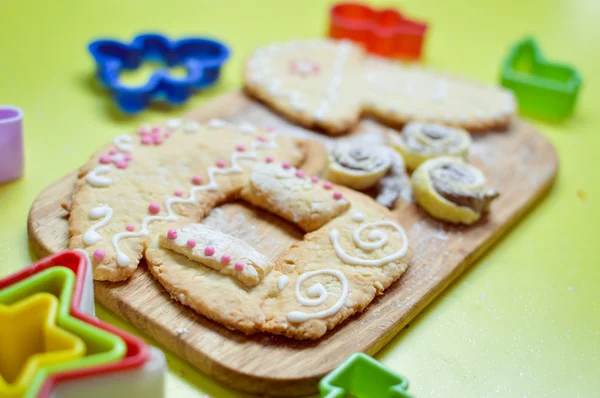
520	162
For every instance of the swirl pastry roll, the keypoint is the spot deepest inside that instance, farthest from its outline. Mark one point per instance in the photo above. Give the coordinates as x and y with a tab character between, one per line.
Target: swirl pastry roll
450	189
421	141
357	167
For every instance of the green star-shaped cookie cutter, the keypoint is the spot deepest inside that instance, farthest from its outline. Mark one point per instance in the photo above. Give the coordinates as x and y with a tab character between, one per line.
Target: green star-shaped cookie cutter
101	347
544	89
363	377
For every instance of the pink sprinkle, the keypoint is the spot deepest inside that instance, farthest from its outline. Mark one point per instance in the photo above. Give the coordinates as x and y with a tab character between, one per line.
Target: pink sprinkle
130	227
270	129
209	251
261	139
155	130
226	259
168	134
221	163
196	180
314	179
156	140
143	131
286	165
299	173
112	152
105	159
128	157
337	195
146	140
238	266
121	164
154	208
240	148
269	159
99	254
172	234
178	192
327	185
191	243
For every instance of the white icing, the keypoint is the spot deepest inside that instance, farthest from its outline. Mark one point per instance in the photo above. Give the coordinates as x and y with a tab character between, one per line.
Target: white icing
90	236
381	240
358	217
191	126
342	52
123	143
95	179
173	124
217	123
244	127
282	281
318	295
235	168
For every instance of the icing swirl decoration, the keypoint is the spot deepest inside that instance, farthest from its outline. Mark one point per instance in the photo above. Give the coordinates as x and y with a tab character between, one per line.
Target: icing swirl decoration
377	239
91	236
317	294
357	167
96	180
452	190
421	141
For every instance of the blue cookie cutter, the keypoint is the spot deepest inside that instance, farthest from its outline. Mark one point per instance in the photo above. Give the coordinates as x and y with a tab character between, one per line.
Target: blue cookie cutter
201	57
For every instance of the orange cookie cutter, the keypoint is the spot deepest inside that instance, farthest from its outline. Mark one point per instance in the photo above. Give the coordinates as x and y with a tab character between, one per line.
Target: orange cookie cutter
384	32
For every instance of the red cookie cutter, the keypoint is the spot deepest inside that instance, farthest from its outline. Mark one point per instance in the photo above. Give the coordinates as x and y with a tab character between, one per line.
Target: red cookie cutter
385	32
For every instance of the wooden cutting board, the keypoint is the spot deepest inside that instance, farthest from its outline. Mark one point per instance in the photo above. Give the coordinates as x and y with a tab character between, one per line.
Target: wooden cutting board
520	162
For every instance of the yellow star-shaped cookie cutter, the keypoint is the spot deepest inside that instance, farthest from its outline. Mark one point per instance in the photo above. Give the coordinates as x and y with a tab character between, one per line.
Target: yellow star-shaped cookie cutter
30	339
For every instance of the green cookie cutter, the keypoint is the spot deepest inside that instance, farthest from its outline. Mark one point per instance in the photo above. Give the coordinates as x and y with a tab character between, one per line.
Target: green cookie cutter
363	377
544	89
101	347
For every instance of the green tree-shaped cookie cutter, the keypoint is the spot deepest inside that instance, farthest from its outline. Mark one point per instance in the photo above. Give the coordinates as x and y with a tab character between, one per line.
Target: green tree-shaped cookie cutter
544	89
362	376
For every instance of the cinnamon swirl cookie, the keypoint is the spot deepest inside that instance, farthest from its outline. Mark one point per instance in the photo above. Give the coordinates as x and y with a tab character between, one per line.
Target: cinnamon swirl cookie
450	189
357	167
421	141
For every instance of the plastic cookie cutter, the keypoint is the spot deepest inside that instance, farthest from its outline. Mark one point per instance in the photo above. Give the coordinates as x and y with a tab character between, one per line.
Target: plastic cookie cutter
115	362
543	89
202	59
30	340
386	32
11	143
362	376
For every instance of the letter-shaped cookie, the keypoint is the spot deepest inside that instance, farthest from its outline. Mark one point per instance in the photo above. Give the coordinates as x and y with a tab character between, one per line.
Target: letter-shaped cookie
334	272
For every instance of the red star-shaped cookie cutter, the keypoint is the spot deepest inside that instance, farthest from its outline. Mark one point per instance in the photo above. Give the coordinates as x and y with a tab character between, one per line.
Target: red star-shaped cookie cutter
138	353
384	32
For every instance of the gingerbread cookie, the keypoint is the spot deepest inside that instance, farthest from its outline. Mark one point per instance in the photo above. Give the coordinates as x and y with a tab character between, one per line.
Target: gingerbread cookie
334	272
421	141
132	187
452	190
316	83
328	84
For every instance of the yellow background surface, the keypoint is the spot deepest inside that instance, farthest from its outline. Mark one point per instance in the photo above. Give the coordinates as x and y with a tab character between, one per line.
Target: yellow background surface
524	321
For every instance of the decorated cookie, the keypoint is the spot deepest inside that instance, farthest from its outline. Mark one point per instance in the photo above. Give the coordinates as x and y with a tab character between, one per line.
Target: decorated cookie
398	94
317	83
328	85
452	190
357	166
353	253
131	189
421	141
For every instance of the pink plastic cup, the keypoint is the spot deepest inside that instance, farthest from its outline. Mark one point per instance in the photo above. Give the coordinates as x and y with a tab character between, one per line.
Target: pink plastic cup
11	143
